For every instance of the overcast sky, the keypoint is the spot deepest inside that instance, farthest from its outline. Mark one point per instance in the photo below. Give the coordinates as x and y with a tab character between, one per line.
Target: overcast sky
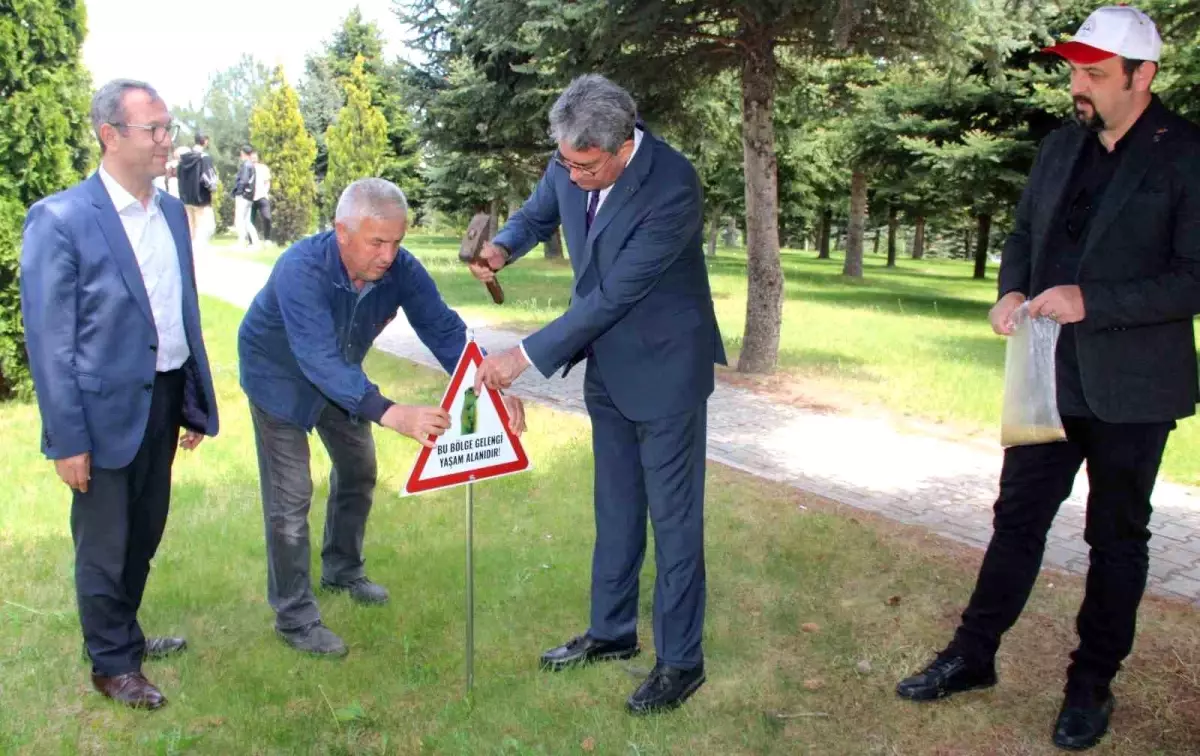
176	46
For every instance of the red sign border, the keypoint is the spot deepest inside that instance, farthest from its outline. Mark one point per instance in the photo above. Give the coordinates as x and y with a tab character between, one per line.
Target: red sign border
415	485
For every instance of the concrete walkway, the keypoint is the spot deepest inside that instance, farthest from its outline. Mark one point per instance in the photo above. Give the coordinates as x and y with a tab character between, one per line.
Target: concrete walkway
945	486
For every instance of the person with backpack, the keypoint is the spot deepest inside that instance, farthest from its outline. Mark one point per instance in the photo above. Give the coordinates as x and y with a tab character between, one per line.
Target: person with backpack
197	180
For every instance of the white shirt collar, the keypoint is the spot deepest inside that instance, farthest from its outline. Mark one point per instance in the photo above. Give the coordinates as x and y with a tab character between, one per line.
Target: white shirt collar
637	142
122	200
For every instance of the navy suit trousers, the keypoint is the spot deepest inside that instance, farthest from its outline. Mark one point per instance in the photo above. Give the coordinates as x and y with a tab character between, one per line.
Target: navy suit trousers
656	467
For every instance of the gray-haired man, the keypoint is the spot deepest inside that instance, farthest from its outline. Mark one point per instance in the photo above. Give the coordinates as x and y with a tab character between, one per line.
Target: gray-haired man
301	347
642	314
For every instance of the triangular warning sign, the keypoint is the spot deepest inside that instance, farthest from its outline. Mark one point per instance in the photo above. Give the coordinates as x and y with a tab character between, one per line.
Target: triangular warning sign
479	443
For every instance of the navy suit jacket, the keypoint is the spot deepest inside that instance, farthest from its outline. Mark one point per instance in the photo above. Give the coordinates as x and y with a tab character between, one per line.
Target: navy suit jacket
641	299
89	330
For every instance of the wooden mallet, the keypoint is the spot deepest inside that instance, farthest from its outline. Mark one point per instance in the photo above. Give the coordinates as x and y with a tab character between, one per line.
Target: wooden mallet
471	247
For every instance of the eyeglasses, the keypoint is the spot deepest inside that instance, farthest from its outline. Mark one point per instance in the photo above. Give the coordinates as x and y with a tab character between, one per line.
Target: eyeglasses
158	133
590	172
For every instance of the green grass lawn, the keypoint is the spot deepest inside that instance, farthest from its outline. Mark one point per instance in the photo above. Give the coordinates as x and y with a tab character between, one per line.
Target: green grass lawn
913	341
800	593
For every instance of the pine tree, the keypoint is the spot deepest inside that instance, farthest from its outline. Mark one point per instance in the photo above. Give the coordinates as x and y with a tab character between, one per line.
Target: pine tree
277	132
322	97
45	145
357	140
661	51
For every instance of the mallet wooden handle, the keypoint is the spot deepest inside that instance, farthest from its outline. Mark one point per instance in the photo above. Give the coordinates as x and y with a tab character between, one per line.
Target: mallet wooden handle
494	289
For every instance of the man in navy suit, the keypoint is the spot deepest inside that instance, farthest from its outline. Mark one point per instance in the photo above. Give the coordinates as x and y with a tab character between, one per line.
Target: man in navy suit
112	326
301	348
642	314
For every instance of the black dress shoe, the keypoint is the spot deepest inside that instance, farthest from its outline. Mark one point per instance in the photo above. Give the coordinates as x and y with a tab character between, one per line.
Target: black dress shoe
1081	723
157	648
585	649
946	675
666	688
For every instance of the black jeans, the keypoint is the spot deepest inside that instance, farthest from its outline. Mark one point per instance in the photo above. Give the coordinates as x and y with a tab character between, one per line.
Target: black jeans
287	490
1122	463
117	526
260	215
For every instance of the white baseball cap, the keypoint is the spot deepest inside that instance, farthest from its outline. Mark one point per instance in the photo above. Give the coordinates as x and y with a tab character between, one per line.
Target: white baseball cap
1110	31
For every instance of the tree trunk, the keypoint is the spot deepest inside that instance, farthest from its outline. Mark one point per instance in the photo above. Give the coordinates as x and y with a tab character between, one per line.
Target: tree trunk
853	267
714	230
893	222
918	250
875	243
553	246
966	244
981	245
764	297
823	234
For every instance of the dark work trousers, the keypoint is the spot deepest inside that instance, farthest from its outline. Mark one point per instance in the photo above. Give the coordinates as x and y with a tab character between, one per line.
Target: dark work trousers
1122	463
287	490
117	526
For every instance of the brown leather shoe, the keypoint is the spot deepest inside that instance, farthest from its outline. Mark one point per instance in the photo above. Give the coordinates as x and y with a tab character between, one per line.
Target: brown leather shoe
131	689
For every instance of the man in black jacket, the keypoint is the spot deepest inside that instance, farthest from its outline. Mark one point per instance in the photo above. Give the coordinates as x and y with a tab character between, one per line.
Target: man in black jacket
1106	242
197	182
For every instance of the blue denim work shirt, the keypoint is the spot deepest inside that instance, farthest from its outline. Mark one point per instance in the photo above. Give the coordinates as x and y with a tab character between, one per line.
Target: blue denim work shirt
305	335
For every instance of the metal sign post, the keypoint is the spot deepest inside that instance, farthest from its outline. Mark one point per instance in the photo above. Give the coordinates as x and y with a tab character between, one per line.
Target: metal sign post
470	586
480	445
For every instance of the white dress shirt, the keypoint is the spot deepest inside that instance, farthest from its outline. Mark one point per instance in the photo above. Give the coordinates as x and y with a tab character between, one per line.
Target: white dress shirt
637	142
154	247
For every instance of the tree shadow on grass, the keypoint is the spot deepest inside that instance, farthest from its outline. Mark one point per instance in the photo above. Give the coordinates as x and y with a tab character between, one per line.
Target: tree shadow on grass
812	362
898	300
